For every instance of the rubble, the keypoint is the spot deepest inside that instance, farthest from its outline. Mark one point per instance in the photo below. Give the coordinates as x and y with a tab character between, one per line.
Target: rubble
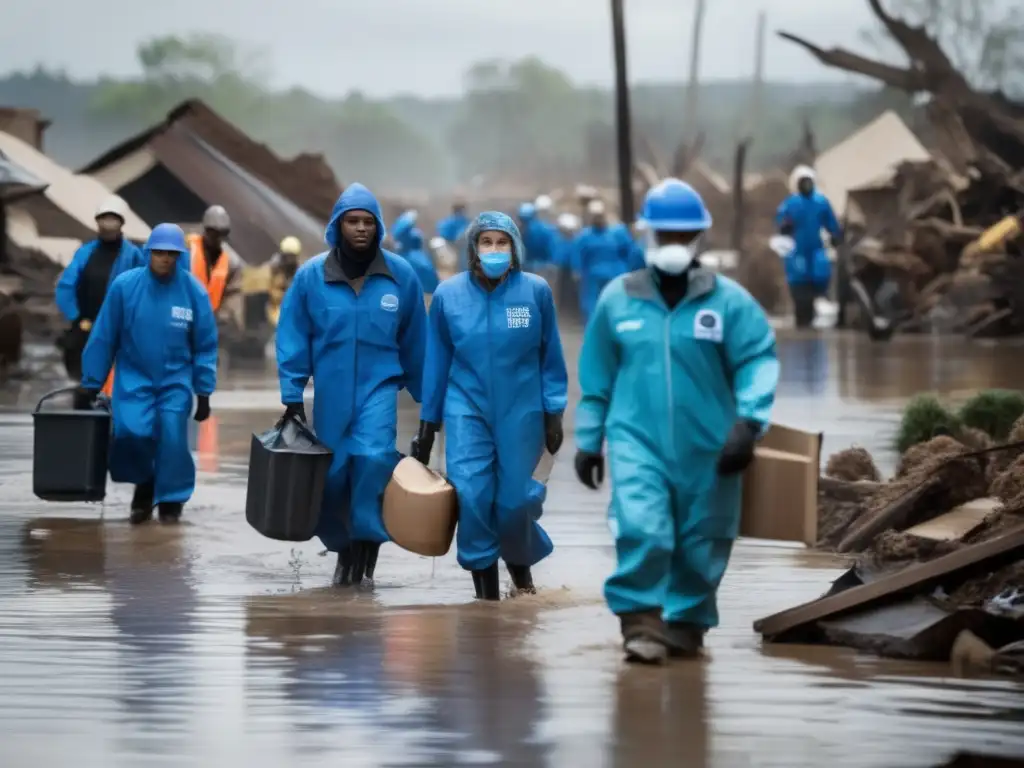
941	236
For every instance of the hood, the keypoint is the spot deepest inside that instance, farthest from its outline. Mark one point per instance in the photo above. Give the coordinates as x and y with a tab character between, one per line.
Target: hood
416	238
800	172
356	197
494	221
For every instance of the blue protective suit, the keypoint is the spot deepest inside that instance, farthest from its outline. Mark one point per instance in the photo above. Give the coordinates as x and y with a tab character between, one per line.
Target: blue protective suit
67	286
808	263
663	389
161	334
539	237
562	252
360	349
494	368
401	233
421	262
452	227
602	254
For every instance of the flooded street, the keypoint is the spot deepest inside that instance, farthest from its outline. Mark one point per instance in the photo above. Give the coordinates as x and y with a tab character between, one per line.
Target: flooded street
206	644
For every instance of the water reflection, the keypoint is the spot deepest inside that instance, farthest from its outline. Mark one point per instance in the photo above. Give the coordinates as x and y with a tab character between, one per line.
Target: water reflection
661	719
803	365
447	685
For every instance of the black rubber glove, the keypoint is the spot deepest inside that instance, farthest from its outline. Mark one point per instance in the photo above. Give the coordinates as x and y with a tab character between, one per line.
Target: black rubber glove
85	399
739	448
786	228
590	468
202	408
423	443
295	411
553	434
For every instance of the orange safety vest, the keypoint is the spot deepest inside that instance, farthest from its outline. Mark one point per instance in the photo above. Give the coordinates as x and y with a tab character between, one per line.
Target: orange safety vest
214	280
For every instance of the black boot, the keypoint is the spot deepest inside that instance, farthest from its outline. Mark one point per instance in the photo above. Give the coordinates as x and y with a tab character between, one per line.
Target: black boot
522	579
364	560
486	583
685	640
170	511
142	504
343	570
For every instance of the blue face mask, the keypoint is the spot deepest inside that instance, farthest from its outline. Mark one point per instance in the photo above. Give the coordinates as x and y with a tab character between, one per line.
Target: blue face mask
495	263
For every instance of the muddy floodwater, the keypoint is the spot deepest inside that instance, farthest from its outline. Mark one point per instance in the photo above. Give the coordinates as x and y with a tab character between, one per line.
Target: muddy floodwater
207	645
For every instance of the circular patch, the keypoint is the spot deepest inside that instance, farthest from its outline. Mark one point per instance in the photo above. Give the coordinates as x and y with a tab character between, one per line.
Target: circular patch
708	321
389	302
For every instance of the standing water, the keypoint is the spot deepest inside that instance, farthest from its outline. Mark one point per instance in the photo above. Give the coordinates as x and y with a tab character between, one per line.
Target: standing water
205	644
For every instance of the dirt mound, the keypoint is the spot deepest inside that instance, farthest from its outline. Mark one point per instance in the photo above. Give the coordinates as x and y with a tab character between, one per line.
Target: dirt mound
926	453
894	548
852	464
1008	485
975	439
840	505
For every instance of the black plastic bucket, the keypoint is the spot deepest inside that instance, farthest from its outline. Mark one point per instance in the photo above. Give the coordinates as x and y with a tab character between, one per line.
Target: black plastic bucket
287	472
70	451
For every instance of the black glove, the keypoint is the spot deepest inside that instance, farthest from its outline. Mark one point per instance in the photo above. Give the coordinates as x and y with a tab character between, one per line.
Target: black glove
838	238
590	468
85	399
295	411
202	408
423	443
786	228
553	434
739	448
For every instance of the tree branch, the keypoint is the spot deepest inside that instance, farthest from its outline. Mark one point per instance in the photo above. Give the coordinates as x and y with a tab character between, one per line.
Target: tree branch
908	80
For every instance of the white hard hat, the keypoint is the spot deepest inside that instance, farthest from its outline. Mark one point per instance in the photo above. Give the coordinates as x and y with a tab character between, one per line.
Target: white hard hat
542	203
799	173
216	218
568	221
595	207
585	192
113	206
437	242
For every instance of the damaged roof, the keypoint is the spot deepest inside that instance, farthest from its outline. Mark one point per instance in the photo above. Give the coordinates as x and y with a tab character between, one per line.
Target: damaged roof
73	198
260	216
307	179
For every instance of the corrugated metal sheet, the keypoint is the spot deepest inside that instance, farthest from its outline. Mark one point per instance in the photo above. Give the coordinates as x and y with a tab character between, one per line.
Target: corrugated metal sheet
15	181
866	158
78	196
260	216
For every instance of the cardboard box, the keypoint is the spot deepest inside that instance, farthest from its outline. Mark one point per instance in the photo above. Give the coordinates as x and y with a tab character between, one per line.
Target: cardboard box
780	489
420	509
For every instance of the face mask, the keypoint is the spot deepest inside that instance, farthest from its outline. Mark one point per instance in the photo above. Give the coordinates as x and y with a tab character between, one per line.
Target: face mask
670	259
494	264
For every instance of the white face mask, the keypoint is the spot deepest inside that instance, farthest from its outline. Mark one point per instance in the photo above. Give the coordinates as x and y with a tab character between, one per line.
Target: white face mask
670	259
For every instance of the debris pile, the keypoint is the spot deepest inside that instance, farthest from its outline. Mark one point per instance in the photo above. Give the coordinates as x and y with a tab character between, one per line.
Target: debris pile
938	552
939	244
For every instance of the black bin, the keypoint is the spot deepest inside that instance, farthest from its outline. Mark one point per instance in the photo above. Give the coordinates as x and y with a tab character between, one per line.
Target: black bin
287	471
70	451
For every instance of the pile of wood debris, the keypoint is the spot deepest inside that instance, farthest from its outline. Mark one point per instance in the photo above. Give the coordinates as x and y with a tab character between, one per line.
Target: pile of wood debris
939	246
938	554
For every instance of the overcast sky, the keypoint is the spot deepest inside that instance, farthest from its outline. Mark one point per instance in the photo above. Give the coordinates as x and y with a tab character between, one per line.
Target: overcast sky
389	46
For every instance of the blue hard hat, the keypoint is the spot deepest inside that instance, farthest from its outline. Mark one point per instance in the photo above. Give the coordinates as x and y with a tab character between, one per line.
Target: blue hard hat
167	237
675	206
527	210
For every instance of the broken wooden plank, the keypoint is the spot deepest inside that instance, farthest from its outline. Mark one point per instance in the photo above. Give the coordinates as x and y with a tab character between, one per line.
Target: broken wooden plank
893	516
987	555
957	523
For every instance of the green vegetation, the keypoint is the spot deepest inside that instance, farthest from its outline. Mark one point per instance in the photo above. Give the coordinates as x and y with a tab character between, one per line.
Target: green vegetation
924	418
522	120
993	411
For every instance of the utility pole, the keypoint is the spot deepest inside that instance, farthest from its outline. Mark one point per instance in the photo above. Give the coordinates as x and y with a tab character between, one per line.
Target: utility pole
623	126
693	87
757	87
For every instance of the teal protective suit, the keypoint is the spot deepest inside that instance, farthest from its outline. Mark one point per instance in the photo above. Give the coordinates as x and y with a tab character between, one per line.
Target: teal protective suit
663	389
161	337
360	349
494	368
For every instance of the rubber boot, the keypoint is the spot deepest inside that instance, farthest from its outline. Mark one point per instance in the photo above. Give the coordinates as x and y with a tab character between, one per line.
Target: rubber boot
343	570
486	583
170	511
644	637
364	560
142	504
522	579
685	640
